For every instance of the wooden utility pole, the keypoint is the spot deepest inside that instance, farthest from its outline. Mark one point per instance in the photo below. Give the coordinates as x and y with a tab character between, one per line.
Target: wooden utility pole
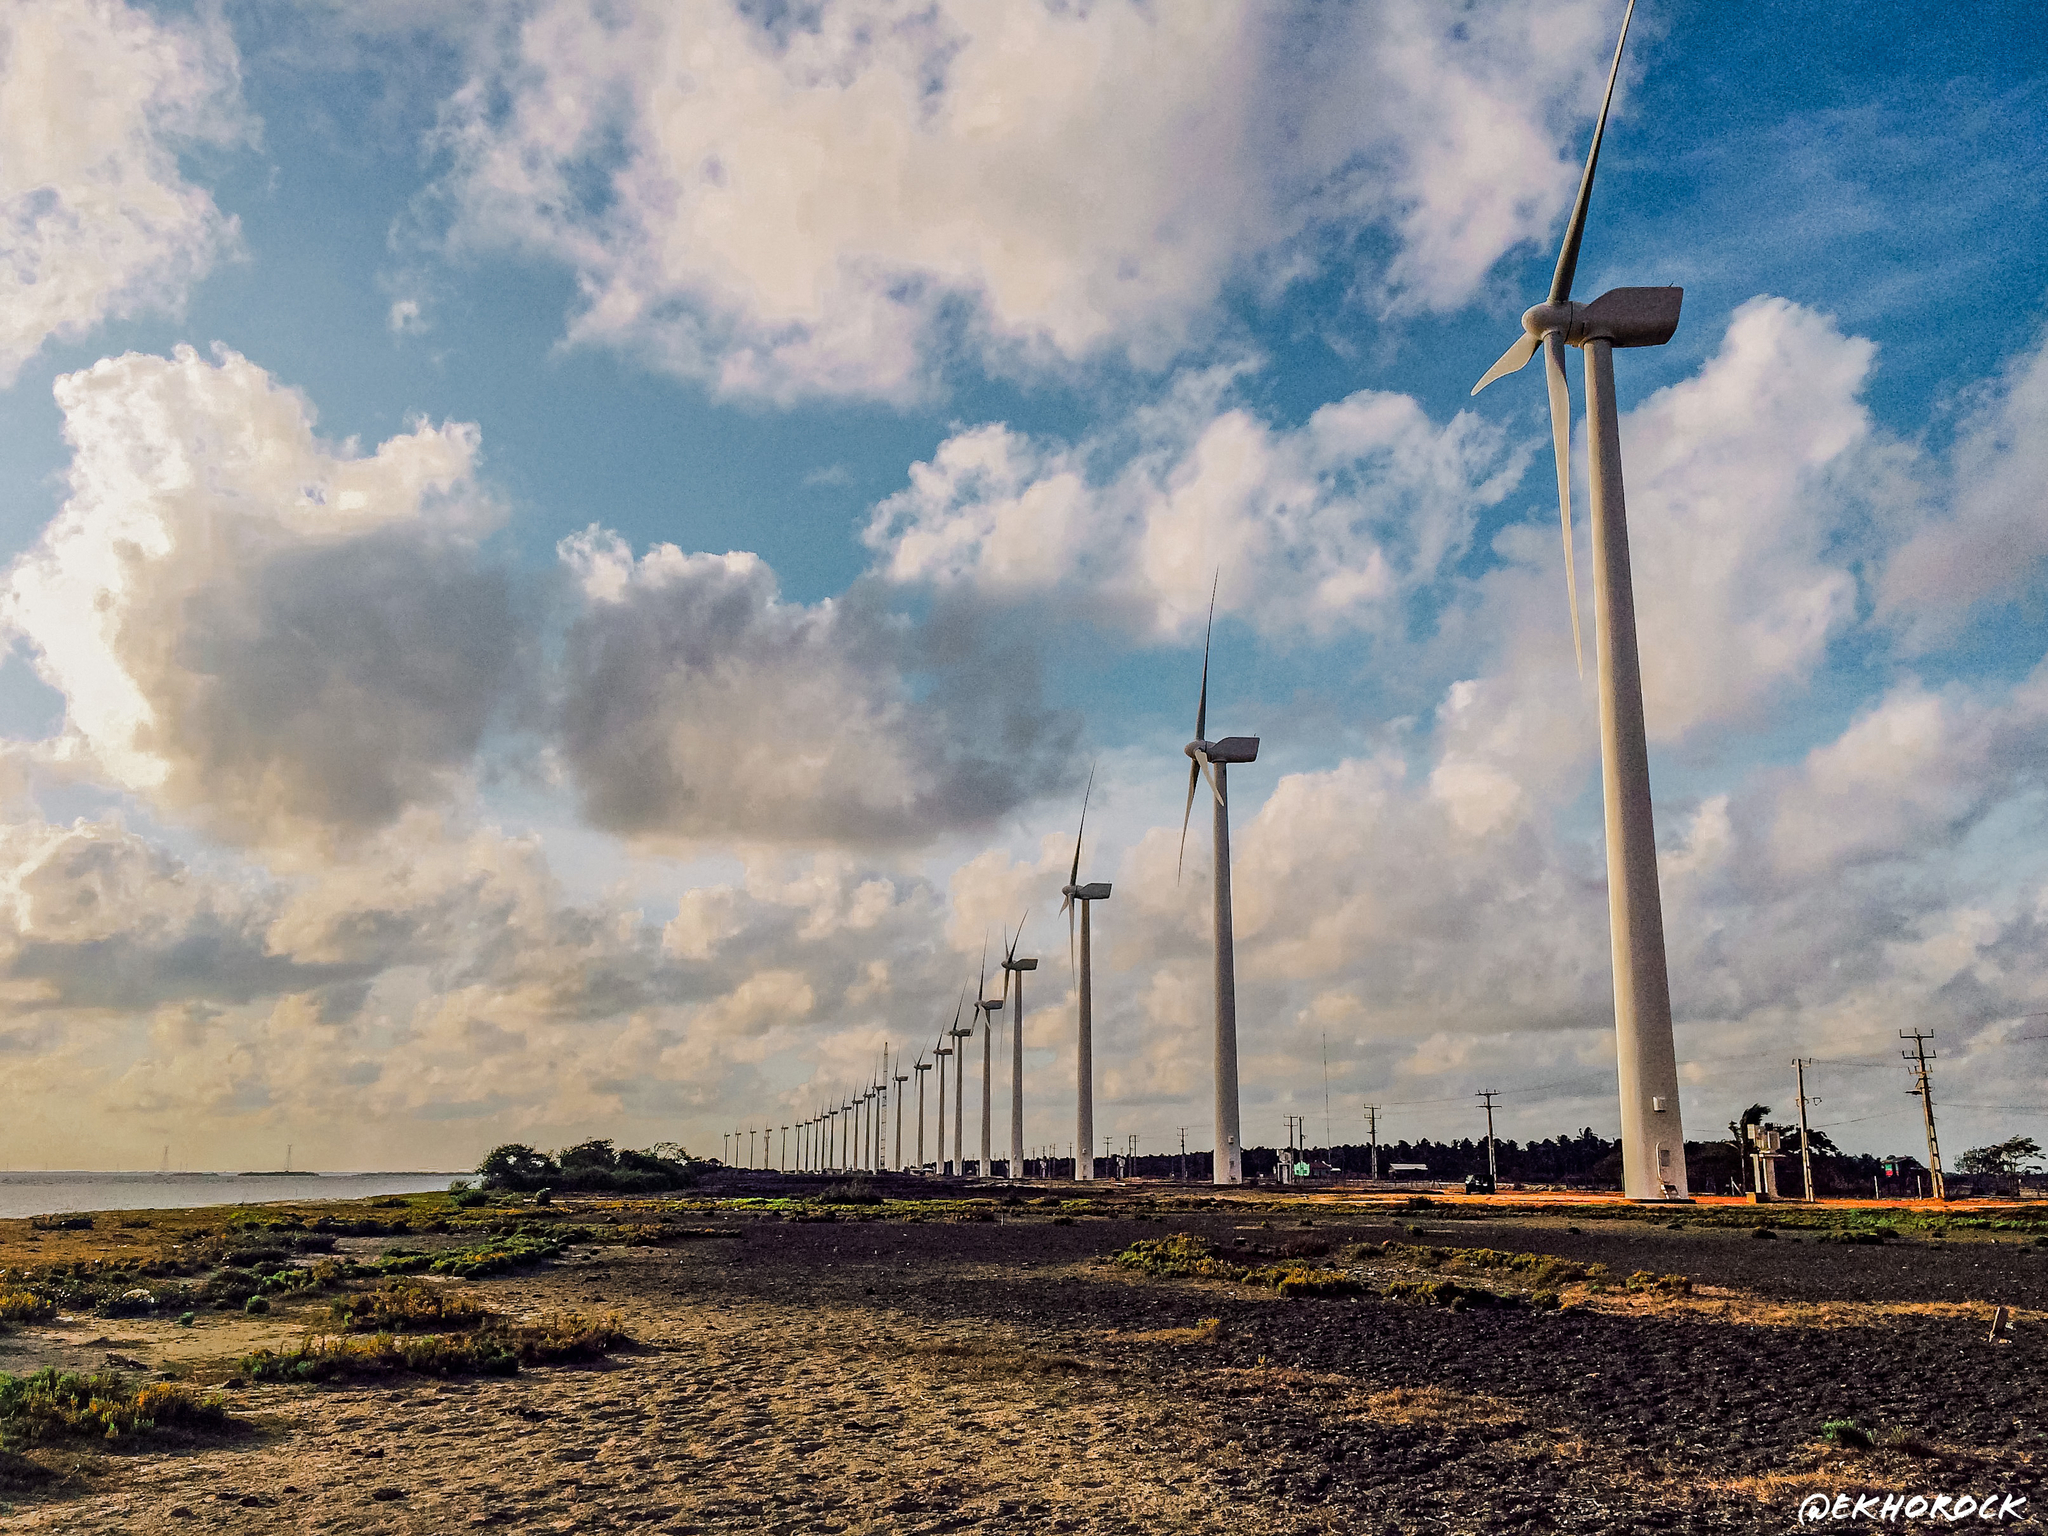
1489	1094
1372	1130
1805	1136
1917	1060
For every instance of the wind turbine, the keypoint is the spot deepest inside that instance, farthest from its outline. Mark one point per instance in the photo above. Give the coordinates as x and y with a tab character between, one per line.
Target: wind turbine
1012	966
942	1051
1652	1140
920	1067
1079	895
1211	759
960	1036
988	1008
901	1078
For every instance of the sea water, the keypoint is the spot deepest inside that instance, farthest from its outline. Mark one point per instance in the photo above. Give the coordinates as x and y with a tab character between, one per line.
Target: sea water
44	1194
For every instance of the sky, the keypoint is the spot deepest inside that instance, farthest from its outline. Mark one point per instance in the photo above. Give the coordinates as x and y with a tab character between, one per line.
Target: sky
567	563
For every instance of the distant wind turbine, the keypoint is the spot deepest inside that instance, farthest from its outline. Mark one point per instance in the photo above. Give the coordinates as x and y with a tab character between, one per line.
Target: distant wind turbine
1013	966
1211	759
960	1037
1081	896
1652	1139
903	1077
920	1067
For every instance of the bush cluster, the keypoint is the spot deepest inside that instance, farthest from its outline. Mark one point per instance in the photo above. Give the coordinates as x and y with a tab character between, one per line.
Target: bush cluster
590	1165
53	1404
1186	1256
494	1348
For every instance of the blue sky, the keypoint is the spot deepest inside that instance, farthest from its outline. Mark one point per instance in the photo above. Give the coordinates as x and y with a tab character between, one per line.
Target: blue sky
666	505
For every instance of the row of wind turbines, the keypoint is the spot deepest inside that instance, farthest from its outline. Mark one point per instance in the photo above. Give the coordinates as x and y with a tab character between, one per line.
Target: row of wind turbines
845	1136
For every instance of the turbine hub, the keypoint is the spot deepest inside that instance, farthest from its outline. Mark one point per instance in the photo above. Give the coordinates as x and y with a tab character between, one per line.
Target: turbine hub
1541	319
1195	746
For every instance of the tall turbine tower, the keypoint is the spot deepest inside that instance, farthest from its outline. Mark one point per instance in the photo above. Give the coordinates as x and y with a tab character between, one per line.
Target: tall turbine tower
991	1009
1212	759
960	1039
942	1052
920	1067
903	1077
1013	966
1652	1140
1079	895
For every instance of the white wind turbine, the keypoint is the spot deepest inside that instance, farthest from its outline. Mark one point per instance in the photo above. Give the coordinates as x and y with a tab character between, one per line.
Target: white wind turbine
1653	1144
960	1037
903	1077
1013	966
920	1067
1211	759
1082	896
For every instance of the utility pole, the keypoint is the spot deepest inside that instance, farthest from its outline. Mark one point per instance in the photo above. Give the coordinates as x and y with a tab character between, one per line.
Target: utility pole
1372	1129
1183	1154
1805	1136
1917	1060
1489	1094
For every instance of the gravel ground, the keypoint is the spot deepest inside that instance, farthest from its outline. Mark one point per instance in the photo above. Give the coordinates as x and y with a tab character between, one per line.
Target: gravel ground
939	1376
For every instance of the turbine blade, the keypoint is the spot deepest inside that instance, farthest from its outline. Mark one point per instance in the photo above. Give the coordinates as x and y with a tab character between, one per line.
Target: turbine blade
1510	361
1074	877
1202	706
1073	962
1574	231
1561	440
1194	777
1209	773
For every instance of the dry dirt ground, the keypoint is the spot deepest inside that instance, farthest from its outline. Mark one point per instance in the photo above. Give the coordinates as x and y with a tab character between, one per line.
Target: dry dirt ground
897	1375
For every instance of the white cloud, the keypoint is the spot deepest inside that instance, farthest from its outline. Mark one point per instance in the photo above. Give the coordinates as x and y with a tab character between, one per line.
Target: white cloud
812	201
253	627
697	705
96	221
1735	513
1318	528
1991	542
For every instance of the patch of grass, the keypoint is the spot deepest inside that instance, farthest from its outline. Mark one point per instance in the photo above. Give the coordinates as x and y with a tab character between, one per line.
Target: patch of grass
61	1223
1542	1270
1661	1285
1449	1293
494	1349
54	1404
1847	1434
1439	1405
1009	1359
1185	1256
399	1307
26	1307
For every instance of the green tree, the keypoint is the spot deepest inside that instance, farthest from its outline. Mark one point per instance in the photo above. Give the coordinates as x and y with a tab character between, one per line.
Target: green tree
2010	1156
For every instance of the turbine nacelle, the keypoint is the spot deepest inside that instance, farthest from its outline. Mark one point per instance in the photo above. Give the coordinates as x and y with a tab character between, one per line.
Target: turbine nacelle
1098	891
1020	963
1623	317
1231	749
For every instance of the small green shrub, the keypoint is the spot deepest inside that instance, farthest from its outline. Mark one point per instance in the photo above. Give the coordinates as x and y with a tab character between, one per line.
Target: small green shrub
399	1307
1847	1434
496	1349
54	1404
1448	1293
26	1307
256	1305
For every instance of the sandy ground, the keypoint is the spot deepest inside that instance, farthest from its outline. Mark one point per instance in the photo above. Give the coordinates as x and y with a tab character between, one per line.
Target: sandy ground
939	1376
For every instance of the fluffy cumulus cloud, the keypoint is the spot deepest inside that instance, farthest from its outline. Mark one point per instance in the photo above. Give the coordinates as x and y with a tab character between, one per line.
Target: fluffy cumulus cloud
269	633
1323	527
1991	540
813	200
695	704
96	220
